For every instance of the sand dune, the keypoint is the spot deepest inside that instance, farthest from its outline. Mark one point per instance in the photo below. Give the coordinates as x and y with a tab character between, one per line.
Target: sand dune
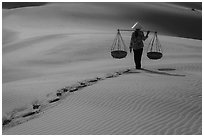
125	105
59	77
168	104
167	18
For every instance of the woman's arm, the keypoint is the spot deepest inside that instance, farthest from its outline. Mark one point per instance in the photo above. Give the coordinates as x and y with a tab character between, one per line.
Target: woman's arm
131	42
145	37
132	39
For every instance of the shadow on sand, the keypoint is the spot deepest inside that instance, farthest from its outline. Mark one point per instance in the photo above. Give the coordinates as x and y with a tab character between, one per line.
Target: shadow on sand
163	73
166	69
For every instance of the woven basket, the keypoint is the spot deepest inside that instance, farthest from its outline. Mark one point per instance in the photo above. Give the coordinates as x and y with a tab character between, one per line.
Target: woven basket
118	54
154	55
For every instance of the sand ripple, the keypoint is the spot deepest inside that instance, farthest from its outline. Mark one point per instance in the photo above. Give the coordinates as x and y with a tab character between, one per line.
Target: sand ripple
168	104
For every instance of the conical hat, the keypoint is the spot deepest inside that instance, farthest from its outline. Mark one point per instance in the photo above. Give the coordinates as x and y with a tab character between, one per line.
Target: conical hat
137	25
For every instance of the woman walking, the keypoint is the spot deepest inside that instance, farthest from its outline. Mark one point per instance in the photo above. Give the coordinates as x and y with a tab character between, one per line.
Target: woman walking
136	44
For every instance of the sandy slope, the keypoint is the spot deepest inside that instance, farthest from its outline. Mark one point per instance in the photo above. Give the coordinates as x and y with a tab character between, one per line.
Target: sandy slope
138	102
163	99
50	48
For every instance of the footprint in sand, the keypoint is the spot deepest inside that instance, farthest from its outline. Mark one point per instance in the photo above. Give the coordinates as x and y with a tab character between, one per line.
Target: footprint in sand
29	114
36	105
54	100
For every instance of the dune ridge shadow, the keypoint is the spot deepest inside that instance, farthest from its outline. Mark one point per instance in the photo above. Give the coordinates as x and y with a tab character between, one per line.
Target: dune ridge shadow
13	5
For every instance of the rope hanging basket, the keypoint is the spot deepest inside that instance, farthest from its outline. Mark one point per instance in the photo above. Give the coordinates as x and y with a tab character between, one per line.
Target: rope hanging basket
118	54
118	49
154	55
154	49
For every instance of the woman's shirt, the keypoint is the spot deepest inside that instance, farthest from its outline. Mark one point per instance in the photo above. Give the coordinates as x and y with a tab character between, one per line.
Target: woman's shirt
137	40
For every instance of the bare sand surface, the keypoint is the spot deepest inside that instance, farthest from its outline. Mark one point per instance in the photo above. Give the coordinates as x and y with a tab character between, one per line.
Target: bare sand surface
62	80
164	98
138	102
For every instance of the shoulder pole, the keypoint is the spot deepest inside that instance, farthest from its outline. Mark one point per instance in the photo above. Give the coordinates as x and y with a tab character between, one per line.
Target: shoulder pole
134	30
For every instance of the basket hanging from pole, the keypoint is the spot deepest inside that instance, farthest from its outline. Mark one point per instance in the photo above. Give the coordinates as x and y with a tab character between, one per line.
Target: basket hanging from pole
154	50
118	49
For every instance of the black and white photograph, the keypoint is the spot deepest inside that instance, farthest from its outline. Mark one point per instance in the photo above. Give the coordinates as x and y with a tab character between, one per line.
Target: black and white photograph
101	68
